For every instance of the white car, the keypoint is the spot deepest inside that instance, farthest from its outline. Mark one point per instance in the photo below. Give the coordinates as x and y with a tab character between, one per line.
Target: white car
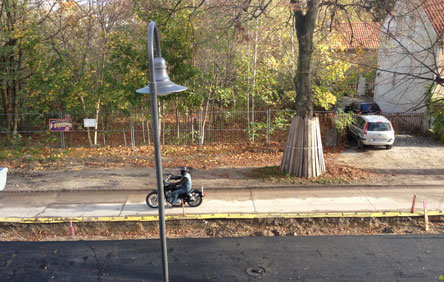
372	130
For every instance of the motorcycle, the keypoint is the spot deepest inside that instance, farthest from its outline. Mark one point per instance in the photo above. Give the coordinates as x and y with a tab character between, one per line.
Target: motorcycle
193	198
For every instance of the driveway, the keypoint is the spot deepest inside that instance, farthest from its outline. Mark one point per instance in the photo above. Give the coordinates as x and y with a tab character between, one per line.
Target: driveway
413	159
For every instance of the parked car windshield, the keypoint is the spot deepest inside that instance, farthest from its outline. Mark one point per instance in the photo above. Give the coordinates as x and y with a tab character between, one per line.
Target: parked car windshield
379	126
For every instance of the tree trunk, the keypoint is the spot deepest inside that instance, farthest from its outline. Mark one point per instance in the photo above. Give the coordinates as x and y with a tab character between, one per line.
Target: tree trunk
248	82
253	127
303	155
193	118
177	123
162	122
305	25
17	90
97	122
105	123
87	129
16	114
203	121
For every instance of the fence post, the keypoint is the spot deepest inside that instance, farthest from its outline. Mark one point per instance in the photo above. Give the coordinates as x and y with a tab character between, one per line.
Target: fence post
143	131
62	135
268	127
148	132
192	127
164	125
124	135
201	130
133	141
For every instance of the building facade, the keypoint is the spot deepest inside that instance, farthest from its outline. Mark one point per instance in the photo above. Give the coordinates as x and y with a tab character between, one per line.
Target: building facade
410	56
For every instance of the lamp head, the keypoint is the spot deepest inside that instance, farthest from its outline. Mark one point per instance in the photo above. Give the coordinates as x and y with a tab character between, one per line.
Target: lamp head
164	85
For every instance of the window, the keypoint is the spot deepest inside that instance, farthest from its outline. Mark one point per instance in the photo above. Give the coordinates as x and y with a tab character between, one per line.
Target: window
366	107
411	25
378	126
355	121
361	123
399	25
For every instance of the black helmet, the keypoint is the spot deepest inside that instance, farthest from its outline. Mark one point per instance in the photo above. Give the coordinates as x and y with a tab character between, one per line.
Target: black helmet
183	170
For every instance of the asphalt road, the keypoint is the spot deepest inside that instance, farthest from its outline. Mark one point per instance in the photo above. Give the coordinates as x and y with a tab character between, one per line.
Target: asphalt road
343	258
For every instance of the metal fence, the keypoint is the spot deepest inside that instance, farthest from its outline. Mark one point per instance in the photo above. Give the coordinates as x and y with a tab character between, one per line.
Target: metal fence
407	122
176	128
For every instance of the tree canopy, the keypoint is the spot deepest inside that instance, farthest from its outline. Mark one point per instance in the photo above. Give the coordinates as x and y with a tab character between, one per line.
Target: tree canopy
89	56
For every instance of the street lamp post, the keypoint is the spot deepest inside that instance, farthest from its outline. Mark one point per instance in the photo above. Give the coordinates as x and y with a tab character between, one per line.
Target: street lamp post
160	84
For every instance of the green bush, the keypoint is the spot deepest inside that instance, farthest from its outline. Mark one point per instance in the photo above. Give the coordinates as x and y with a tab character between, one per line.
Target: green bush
342	121
438	123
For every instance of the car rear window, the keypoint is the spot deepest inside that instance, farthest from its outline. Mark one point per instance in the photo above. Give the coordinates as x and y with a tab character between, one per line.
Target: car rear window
379	126
375	107
366	107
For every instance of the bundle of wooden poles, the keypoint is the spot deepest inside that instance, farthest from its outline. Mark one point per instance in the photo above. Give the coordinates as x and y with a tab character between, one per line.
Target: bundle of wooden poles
303	155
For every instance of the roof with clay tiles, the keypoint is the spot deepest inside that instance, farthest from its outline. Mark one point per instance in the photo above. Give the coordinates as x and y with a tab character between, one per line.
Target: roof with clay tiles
435	12
360	35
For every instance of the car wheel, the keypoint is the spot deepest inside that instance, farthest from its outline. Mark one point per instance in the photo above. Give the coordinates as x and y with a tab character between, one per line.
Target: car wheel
359	144
349	135
388	147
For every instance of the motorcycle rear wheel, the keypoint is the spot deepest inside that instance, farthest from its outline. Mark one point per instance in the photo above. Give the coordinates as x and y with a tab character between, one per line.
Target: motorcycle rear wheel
196	201
152	200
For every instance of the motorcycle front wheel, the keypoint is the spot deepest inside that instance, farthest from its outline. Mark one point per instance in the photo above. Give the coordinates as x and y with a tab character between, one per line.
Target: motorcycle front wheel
195	201
152	200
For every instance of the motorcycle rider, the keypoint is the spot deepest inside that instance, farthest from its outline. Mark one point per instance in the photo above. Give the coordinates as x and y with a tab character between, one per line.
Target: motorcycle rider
185	184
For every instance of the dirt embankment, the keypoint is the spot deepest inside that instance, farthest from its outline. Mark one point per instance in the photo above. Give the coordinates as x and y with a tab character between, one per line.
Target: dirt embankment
414	160
221	228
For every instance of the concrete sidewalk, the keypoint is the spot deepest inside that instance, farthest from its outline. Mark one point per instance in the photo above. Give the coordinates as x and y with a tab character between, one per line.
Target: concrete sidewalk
244	203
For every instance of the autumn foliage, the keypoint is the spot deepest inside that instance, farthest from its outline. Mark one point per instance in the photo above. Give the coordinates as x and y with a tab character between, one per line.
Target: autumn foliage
266	158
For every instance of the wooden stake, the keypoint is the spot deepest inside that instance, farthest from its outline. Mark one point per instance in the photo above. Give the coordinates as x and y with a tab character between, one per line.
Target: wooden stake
284	163
183	208
413	204
292	144
320	151
124	136
304	148
310	149
426	217
317	154
314	159
300	146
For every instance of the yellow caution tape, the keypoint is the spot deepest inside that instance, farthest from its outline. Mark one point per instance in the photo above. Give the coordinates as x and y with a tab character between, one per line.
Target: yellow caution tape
216	216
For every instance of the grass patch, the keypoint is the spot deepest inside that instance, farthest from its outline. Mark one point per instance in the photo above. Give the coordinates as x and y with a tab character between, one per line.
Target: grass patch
16	153
274	174
30	154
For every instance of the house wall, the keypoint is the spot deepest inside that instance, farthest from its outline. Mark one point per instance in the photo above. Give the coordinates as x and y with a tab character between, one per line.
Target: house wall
403	75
